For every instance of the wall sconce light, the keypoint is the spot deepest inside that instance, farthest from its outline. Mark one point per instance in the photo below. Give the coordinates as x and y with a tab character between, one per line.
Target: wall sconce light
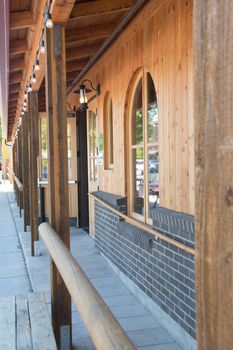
83	91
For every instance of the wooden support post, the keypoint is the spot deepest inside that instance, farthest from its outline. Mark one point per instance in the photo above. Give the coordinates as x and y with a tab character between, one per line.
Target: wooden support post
213	110
20	168
33	115
58	172
14	166
17	168
26	204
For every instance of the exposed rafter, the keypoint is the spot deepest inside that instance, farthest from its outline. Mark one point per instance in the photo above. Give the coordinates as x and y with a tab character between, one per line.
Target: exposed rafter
16	65
84	9
81	52
21	19
18	46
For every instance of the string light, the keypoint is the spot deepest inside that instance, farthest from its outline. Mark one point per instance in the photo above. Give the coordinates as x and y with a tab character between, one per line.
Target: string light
25	94
30	88
42	48
33	78
25	103
49	21
22	112
37	65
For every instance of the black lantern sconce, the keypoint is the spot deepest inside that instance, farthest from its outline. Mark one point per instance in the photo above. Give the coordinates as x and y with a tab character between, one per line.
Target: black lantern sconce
83	91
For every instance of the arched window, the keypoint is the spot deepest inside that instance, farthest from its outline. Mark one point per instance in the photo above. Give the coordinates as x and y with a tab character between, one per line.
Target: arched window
108	132
143	150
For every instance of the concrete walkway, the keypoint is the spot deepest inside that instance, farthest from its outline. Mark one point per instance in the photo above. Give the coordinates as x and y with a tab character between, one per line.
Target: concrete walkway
144	330
13	274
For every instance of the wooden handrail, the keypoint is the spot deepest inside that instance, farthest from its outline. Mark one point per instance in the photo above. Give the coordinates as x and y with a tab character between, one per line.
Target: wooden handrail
145	227
17	181
104	329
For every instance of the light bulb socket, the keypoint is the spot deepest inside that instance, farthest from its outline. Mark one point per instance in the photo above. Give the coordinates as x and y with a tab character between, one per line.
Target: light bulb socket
49	21
37	65
42	48
33	78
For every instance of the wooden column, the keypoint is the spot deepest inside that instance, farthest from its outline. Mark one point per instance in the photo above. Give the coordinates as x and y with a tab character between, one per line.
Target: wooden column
213	115
20	167
33	116
58	172
14	166
26	204
16	170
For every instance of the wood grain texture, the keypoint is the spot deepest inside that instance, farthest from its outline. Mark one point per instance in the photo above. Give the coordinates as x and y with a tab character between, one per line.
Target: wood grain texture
159	39
33	115
58	166
213	109
106	332
23	331
41	329
25	155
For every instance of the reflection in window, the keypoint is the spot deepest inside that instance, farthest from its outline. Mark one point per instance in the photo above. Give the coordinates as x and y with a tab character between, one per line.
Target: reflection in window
92	146
69	151
44	149
108	132
144	148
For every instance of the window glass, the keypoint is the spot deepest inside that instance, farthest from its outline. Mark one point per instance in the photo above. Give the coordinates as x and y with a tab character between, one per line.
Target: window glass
108	131
137	116
138	180
152	111
92	146
44	149
144	169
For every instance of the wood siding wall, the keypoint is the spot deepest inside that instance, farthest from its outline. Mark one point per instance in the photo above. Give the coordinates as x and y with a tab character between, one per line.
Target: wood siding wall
160	40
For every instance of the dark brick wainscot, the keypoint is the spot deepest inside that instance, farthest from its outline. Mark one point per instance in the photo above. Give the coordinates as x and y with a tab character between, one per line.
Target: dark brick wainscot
162	271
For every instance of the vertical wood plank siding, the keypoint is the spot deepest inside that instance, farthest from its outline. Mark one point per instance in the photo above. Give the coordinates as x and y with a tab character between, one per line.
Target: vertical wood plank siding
160	40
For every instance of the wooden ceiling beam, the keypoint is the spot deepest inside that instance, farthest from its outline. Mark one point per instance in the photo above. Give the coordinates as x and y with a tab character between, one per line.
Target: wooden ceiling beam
83	34
17	65
72	75
73	66
18	46
81	52
14	88
14	96
61	10
15	77
85	9
21	19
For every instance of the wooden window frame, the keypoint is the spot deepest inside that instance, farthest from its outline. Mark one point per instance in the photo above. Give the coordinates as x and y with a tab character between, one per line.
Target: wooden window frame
140	74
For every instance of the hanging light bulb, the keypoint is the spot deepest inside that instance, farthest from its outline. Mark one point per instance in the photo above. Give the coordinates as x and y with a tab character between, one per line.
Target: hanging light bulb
24	109
25	103
49	21
33	78
25	94
30	88
42	48
37	65
22	113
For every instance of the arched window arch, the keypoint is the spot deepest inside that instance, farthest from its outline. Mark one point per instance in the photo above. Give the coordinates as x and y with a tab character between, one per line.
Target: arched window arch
108	131
143	147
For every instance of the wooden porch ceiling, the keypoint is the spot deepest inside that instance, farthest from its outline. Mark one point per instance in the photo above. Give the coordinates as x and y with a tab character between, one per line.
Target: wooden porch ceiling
88	24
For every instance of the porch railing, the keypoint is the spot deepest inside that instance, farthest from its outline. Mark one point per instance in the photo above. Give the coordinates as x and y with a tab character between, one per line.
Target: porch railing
104	329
